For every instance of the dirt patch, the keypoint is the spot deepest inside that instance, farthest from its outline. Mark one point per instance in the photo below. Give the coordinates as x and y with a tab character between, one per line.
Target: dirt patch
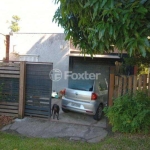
5	120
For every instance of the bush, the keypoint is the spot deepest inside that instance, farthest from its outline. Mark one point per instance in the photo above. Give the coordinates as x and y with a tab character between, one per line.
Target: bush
130	114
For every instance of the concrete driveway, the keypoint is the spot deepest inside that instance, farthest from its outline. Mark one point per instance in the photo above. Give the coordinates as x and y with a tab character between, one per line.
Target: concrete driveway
77	118
73	126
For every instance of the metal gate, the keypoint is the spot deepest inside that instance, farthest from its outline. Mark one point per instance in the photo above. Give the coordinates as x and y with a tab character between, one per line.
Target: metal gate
38	89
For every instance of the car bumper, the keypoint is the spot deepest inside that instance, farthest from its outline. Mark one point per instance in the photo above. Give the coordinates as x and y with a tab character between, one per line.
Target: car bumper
79	106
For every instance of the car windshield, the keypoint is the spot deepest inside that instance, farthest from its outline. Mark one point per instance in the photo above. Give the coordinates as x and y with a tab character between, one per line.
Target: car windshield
86	85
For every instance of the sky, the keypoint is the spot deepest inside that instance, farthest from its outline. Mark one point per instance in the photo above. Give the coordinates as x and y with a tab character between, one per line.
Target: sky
36	16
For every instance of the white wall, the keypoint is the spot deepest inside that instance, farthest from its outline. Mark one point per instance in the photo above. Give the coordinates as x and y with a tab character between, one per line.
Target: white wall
47	47
2	47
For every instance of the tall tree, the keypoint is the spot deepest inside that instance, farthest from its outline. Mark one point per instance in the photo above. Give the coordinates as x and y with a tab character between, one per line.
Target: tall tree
14	24
98	26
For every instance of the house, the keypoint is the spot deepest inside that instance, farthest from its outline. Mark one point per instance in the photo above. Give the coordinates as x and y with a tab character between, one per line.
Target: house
47	47
42	47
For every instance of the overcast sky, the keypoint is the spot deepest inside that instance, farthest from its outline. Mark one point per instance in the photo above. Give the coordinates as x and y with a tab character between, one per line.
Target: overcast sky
36	16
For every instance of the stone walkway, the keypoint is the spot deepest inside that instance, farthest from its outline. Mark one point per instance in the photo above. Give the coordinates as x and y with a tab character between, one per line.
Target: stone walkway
34	127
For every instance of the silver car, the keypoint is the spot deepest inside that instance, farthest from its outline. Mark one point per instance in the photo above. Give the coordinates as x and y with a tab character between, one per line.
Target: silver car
86	97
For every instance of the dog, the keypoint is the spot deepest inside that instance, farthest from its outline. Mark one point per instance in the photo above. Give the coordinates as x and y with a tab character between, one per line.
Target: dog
55	111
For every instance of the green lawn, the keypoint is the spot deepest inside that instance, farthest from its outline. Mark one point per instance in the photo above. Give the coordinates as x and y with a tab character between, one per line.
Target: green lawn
116	142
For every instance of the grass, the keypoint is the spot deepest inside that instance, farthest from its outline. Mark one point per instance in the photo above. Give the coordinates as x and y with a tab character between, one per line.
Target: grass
115	142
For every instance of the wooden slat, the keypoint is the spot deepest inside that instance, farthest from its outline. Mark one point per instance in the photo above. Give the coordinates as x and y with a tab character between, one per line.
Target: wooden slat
9	111
111	86
120	86
9	64
9	68
8	107
144	82
9	76
9	114
140	82
9	72
130	84
124	84
9	103
116	87
117	69
134	84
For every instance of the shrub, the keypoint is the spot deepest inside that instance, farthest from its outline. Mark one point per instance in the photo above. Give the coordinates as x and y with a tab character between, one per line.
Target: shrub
130	114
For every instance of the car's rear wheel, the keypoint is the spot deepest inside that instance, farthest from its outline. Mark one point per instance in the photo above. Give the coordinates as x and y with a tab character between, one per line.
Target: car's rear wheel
99	113
65	110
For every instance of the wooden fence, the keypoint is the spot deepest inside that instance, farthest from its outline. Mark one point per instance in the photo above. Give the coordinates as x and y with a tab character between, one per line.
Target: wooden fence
121	84
25	89
12	78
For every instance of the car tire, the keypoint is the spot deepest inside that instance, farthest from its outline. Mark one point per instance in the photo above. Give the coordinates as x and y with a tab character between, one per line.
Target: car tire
99	113
65	110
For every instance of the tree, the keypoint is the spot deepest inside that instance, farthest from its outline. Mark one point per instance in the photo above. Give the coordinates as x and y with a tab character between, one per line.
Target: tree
99	26
14	24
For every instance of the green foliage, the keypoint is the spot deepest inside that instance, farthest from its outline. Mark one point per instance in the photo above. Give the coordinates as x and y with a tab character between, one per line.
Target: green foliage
14	141
138	60
143	63
96	25
130	114
14	24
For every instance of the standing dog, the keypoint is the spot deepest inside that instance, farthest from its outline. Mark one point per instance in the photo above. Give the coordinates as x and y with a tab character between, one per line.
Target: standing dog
55	111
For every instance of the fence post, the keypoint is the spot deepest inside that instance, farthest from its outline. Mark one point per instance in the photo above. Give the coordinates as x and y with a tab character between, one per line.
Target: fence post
22	90
120	88
140	83
124	84
110	95
130	84
134	83
144	82
116	87
111	86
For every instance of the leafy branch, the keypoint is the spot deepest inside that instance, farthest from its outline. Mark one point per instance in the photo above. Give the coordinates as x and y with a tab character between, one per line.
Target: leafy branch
95	25
14	24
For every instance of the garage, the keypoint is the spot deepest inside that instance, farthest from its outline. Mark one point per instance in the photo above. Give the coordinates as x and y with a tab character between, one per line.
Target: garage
80	68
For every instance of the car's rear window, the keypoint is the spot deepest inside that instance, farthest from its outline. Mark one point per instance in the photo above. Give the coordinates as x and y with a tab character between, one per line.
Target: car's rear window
86	85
